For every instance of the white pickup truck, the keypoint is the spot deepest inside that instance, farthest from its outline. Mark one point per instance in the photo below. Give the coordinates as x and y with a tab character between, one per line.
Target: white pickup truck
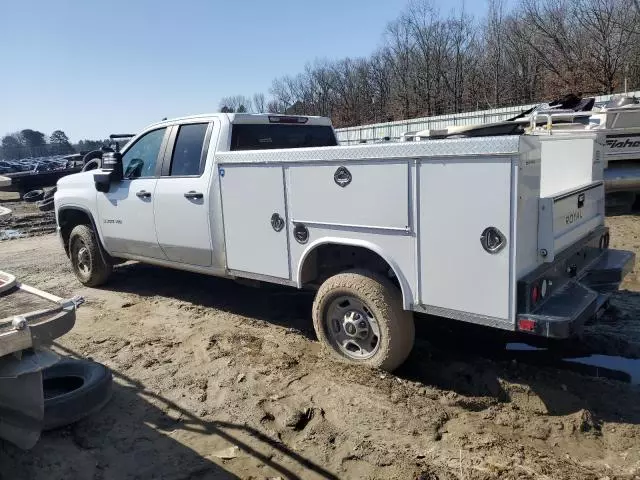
502	231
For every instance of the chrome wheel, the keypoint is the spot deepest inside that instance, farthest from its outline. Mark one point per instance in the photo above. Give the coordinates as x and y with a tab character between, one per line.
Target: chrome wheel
83	258
352	328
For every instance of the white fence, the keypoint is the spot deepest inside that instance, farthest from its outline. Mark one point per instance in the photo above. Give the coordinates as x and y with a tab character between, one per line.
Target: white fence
394	130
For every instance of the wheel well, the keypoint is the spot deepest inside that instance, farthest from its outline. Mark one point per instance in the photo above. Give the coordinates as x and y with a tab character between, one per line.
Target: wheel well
68	219
330	259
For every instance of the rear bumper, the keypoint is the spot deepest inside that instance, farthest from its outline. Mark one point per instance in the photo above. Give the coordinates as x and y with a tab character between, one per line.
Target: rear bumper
578	292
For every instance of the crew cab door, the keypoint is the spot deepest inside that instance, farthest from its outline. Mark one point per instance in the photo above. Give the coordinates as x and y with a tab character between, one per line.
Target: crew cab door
182	203
126	211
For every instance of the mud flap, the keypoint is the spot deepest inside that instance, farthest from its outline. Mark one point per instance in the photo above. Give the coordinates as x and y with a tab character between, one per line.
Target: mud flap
21	396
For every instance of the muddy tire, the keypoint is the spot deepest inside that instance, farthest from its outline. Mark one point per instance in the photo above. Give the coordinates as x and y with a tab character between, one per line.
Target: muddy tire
358	316
86	258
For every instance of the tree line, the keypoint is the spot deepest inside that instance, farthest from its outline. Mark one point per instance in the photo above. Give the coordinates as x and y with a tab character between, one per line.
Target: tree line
30	143
433	64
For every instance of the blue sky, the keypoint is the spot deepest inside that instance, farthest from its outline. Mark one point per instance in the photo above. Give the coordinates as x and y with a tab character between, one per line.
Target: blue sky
95	67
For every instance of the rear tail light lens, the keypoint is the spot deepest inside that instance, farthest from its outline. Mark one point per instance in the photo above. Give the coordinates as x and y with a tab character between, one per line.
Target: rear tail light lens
527	325
280	119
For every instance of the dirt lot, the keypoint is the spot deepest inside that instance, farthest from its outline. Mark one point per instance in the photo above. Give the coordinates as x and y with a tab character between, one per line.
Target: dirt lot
25	220
219	380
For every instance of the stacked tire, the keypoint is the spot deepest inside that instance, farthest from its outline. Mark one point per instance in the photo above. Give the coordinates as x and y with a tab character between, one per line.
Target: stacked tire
46	204
33	196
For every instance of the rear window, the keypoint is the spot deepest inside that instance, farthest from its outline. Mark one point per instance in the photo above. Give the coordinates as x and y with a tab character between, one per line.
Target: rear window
269	136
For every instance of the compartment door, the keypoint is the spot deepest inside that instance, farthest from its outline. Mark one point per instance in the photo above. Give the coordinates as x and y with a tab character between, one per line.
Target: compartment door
569	216
459	199
255	221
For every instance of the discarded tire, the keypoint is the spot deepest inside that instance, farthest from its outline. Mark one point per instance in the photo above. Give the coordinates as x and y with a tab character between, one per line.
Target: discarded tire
92	155
74	389
33	196
46	205
92	164
50	193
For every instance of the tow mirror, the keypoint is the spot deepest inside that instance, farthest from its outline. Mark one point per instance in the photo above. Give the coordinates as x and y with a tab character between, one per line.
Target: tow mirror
112	164
111	171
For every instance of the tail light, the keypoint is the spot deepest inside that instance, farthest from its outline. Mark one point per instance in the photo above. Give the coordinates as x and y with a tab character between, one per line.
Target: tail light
281	119
527	325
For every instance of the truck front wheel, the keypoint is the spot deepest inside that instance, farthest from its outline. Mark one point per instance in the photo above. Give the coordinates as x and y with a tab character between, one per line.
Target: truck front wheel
358	315
87	261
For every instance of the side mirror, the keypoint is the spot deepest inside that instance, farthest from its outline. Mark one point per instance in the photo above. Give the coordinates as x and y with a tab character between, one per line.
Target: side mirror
102	181
111	171
112	164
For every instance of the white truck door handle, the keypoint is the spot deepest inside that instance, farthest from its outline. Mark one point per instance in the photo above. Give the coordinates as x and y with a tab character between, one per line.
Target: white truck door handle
193	194
143	194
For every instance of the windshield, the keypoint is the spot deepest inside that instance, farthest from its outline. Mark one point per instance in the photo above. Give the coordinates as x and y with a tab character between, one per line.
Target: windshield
270	136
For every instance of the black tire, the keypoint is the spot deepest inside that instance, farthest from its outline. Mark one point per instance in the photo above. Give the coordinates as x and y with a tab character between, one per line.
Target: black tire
87	261
74	389
384	301
33	196
92	164
92	155
46	205
50	193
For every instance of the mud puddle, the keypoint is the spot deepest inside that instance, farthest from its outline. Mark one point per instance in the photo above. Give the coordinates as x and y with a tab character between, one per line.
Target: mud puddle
10	234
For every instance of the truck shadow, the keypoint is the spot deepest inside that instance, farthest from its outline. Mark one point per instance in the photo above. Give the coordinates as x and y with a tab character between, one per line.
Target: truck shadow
133	437
285	306
474	362
464	358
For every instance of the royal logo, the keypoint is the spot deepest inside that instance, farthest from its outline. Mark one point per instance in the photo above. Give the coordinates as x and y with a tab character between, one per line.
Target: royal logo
573	217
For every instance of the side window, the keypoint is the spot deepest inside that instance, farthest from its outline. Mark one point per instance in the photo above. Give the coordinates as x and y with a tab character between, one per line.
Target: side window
188	152
140	160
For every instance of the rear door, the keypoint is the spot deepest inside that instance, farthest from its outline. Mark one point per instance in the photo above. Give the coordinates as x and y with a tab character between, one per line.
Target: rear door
182	205
126	211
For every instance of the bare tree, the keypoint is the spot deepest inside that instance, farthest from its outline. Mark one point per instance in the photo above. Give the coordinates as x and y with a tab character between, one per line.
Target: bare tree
259	102
236	103
431	64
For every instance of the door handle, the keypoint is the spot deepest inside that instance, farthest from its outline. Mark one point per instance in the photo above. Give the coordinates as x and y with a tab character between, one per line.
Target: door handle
143	194
193	194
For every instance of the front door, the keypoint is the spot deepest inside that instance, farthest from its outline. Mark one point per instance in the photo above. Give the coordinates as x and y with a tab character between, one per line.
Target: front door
126	212
182	196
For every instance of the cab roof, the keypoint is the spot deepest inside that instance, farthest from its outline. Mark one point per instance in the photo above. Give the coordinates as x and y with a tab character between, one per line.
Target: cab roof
252	118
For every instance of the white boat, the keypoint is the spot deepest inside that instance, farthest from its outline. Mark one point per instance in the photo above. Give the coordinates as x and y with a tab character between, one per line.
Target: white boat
619	118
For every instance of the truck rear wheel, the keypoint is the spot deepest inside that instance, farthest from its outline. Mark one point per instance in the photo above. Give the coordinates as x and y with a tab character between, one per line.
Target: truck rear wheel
358	315
87	261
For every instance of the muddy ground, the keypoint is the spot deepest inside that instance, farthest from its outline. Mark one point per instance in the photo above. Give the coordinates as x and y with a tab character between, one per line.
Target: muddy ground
218	380
25	220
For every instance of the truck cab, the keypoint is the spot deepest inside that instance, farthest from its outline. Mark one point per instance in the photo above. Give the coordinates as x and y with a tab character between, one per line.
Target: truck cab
164	208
